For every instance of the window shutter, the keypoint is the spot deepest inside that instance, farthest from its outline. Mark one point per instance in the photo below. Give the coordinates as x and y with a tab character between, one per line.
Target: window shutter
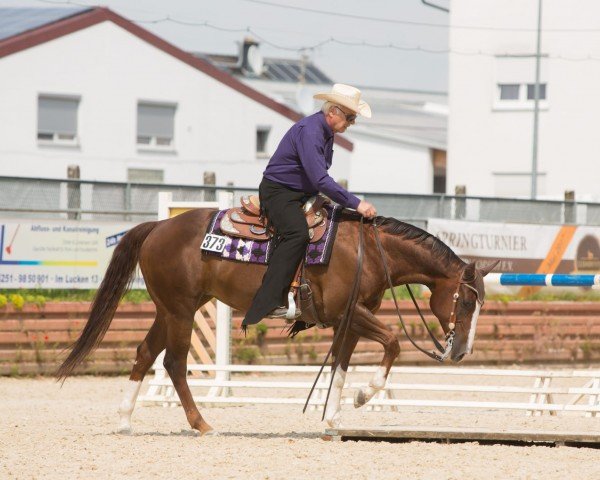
155	120
57	115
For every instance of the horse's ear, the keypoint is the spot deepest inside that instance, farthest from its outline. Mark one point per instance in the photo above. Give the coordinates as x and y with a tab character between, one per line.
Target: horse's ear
469	273
488	268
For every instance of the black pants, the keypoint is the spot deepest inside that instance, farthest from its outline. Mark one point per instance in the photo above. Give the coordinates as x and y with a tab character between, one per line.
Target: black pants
283	208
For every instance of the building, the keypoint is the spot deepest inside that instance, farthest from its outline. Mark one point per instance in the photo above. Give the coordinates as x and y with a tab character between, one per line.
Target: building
87	87
402	149
491	98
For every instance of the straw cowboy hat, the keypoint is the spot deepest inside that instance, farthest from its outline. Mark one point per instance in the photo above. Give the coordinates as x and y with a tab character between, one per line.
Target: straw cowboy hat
346	96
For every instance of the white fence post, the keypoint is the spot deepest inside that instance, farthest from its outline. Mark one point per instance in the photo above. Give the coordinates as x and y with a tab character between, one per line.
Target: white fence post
223	323
594	399
164	199
223	354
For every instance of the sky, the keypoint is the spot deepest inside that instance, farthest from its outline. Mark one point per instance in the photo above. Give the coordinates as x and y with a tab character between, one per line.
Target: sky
282	31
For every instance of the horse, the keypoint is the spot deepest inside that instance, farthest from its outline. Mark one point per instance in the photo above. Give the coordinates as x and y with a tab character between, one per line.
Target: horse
180	278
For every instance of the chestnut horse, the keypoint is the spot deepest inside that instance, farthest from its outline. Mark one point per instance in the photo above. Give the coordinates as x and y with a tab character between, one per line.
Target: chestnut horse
180	278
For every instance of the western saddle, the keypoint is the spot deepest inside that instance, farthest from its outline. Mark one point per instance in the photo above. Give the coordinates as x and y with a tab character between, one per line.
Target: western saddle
246	221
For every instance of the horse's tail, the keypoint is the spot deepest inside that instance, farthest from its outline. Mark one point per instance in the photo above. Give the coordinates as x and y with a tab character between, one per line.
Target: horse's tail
115	284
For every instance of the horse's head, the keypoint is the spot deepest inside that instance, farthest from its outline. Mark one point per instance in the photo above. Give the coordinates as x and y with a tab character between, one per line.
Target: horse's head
456	303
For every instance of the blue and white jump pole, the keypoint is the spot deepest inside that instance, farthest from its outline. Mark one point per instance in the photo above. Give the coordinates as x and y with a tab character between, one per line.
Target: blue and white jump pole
543	280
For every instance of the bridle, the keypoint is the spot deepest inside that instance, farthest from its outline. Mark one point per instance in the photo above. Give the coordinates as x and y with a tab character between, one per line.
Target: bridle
444	352
456	296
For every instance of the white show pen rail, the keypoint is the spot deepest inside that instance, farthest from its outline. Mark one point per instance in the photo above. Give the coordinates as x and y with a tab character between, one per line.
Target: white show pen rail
537	390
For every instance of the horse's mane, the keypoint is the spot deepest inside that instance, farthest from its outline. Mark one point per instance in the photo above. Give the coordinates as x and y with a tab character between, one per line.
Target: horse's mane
439	249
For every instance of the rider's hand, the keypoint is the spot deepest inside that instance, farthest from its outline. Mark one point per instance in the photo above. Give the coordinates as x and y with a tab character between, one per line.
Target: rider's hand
366	209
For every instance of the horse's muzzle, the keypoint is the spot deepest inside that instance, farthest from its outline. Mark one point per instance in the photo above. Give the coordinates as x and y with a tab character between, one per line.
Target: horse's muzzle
459	349
458	358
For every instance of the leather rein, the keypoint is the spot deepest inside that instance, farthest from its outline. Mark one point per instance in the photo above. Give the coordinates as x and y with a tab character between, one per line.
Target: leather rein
344	326
444	352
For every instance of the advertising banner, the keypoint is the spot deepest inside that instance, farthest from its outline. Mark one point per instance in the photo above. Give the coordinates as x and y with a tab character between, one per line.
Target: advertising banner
58	254
523	248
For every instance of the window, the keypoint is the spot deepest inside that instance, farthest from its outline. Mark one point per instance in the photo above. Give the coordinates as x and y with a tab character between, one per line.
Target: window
531	91
509	91
155	125
145	175
515	82
439	170
57	119
513	91
262	137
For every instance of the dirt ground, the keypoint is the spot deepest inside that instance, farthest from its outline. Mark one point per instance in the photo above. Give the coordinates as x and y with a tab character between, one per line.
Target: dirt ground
70	433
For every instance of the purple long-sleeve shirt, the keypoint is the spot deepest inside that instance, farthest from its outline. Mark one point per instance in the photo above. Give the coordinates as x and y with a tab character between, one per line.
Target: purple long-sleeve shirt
303	157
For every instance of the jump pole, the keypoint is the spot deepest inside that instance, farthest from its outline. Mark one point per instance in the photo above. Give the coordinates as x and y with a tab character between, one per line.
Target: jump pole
543	280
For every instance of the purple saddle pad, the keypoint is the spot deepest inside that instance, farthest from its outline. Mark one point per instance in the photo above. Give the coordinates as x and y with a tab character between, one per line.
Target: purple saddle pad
254	251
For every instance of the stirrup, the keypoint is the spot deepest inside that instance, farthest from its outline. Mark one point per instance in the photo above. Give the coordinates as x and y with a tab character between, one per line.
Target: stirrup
282	312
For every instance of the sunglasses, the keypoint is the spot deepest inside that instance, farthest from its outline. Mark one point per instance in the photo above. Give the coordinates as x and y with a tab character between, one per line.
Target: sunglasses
349	118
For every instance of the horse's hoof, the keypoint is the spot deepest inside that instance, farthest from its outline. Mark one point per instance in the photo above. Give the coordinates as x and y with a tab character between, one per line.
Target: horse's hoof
124	430
209	433
205	429
359	399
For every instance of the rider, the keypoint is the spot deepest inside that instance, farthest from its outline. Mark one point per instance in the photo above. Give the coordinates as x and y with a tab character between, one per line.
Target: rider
297	171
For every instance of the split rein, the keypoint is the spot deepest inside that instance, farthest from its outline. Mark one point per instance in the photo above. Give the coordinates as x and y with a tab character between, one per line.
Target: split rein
443	352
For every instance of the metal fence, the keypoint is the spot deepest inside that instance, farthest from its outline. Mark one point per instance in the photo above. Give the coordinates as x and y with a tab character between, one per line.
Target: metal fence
91	200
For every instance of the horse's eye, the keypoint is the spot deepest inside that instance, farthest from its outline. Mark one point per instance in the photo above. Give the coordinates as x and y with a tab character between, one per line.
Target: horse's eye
467	303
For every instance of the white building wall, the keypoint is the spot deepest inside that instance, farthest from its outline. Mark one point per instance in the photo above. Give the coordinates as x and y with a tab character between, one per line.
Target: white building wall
485	137
386	166
111	70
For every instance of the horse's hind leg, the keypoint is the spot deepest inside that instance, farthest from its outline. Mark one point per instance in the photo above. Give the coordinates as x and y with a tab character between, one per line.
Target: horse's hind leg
366	325
147	352
179	324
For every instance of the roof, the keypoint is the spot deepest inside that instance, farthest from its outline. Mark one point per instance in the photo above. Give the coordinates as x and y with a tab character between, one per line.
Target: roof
27	34
404	116
413	117
14	21
408	114
276	69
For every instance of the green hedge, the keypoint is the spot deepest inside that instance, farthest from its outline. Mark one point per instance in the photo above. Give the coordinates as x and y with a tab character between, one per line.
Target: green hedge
20	297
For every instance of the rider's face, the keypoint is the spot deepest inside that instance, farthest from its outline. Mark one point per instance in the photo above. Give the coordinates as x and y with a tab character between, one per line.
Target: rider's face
341	119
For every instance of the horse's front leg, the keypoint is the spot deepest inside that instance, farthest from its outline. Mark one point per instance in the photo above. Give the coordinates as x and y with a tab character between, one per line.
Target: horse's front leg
341	353
365	324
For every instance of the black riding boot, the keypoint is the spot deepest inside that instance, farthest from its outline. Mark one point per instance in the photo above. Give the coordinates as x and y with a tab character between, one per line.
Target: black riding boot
283	208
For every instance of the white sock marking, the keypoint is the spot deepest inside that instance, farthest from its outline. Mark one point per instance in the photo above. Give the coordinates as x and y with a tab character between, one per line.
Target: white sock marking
127	404
332	414
376	383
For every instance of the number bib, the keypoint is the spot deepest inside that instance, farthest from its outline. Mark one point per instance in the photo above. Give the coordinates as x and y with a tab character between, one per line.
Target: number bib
213	243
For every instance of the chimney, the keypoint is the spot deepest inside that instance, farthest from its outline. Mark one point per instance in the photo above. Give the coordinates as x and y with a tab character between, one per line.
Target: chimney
250	60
